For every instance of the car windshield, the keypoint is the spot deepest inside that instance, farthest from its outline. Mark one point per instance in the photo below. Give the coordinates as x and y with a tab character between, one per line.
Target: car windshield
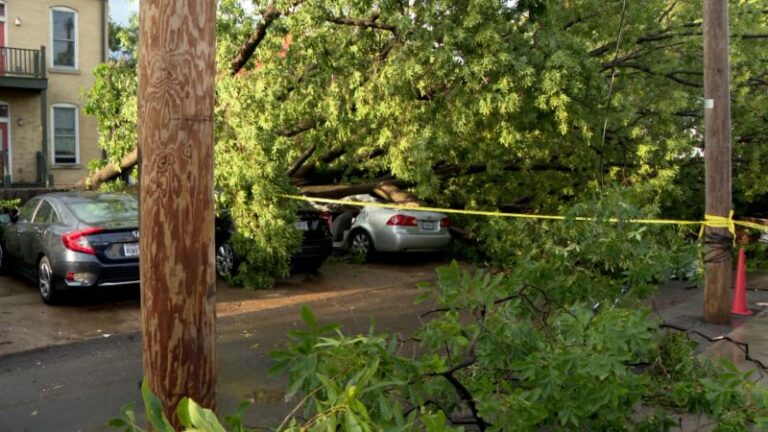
105	208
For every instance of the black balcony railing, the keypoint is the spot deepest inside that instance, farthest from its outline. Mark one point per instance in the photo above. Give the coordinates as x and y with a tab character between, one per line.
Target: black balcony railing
21	62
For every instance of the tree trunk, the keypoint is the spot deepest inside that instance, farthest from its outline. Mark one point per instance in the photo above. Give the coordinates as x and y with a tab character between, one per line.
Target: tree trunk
175	134
391	192
342	190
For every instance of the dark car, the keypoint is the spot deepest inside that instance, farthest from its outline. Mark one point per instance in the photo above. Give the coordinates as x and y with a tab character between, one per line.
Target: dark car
73	240
316	243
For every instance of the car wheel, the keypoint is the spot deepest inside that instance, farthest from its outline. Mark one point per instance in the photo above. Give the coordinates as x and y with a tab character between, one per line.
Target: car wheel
226	262
360	243
45	281
3	264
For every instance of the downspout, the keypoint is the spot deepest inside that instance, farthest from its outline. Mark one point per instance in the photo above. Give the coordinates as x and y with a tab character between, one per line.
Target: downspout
104	31
104	46
46	179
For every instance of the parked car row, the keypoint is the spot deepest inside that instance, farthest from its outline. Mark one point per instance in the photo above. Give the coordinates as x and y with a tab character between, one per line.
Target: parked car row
71	240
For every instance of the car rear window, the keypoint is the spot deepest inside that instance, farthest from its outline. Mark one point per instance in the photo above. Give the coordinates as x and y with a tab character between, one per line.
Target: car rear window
105	208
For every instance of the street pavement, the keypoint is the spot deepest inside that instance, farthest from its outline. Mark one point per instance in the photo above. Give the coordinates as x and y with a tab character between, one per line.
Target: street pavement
78	386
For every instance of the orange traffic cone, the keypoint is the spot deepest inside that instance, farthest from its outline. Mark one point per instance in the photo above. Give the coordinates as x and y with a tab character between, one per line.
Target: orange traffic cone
740	292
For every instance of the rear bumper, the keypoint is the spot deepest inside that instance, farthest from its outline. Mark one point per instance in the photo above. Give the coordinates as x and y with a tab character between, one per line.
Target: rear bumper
104	275
312	251
390	240
312	254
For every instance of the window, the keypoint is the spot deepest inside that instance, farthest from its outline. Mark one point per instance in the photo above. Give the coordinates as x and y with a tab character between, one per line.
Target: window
43	213
64	38
65	137
105	208
26	212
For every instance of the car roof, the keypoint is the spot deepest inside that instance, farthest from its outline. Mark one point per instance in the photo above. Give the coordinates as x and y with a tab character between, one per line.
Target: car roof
81	195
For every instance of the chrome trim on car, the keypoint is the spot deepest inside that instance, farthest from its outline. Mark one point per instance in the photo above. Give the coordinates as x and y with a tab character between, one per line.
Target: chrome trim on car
107	284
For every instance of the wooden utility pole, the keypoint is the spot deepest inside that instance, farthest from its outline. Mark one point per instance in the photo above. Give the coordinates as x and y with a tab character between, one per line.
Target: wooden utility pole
717	153
176	102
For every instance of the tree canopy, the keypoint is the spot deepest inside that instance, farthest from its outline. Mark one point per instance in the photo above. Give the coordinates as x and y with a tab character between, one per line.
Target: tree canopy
522	105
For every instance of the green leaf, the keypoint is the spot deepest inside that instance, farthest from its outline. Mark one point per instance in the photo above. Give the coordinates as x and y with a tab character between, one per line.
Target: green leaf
154	409
308	317
203	418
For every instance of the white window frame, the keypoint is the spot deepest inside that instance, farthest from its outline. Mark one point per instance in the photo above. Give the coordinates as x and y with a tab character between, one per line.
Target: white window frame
4	19
77	39
52	139
7	120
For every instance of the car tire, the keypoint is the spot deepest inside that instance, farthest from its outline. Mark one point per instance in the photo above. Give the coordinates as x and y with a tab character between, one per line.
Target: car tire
46	284
3	264
360	242
226	261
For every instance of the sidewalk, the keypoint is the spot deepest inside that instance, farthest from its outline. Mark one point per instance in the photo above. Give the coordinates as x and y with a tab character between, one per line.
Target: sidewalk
681	305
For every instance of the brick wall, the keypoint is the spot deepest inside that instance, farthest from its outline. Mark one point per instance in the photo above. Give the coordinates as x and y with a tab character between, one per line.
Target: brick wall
64	86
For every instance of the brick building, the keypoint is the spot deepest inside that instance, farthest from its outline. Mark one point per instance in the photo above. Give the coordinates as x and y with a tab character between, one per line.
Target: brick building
48	50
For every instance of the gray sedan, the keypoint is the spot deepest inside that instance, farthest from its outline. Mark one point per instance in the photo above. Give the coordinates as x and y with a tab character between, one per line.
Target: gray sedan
376	229
73	240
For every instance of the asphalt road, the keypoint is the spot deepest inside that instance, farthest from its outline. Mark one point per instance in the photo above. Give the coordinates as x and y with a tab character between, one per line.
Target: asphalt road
79	386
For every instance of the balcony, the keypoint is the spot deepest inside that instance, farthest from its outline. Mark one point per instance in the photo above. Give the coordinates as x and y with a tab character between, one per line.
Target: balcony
22	69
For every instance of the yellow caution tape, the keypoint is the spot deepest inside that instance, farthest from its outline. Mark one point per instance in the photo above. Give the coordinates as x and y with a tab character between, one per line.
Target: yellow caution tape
709	220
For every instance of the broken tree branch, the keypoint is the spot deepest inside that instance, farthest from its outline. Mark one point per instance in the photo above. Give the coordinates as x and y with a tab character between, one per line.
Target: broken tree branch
301	160
269	15
109	172
370	23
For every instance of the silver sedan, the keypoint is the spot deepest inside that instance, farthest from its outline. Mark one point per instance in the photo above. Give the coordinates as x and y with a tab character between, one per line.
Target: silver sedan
376	229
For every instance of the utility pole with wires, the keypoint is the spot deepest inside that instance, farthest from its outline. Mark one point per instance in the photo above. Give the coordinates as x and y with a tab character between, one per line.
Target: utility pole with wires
717	154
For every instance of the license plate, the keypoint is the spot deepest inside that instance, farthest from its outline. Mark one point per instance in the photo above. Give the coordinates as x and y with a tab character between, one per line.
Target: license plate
131	249
428	225
302	226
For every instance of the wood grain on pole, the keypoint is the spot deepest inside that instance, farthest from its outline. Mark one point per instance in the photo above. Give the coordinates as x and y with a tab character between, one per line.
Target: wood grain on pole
717	137
175	133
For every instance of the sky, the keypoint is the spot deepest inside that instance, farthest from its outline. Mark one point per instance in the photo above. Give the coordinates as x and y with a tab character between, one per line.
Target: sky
120	10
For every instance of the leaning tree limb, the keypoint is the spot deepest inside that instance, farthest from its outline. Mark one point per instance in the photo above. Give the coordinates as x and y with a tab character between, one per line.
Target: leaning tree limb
109	172
342	190
270	14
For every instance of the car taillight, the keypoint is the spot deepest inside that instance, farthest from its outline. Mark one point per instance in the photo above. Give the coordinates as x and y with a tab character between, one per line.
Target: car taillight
326	216
445	223
77	242
402	220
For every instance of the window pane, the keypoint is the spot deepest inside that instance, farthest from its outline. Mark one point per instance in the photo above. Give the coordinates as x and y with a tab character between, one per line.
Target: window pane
65	150
105	208
63	53
43	213
64	135
64	25
2	10
64	121
25	214
3	111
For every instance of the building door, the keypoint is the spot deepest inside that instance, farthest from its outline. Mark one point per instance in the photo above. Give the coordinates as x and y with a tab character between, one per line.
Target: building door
5	143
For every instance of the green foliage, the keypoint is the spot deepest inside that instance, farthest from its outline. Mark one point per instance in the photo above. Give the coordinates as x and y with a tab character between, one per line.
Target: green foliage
555	337
10	204
192	416
479	104
113	102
